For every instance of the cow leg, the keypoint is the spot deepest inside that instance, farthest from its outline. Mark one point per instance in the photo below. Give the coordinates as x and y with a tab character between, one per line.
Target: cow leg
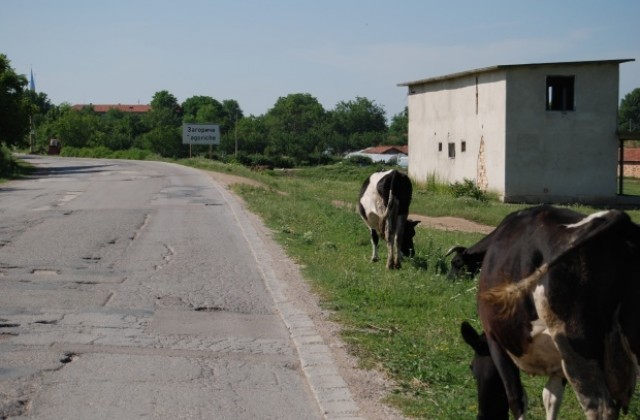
510	375
374	245
392	249
399	238
585	375
552	396
588	382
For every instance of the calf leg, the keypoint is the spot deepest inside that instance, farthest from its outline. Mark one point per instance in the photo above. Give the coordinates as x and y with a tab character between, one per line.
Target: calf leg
552	396
510	375
374	245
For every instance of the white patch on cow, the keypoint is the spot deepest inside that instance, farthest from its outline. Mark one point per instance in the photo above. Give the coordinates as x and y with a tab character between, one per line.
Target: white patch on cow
372	202
587	219
542	356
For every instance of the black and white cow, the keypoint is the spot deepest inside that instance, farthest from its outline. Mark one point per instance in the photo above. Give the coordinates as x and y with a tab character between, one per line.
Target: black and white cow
384	206
558	296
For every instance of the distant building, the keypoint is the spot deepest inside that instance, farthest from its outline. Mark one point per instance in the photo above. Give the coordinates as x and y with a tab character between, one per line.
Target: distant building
530	132
386	154
102	109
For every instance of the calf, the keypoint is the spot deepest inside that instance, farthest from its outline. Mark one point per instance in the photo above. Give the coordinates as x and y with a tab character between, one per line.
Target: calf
384	206
492	398
558	296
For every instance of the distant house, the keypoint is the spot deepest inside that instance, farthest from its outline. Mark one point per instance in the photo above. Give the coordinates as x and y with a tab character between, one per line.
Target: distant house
102	109
386	154
530	132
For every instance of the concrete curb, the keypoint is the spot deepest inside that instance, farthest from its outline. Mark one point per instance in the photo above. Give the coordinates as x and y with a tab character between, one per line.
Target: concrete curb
329	388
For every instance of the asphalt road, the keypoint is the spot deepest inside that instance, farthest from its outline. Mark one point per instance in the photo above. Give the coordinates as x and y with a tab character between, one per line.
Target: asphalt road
140	290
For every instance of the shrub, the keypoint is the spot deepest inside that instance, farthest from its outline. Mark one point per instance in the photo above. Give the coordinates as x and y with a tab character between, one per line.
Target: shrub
359	160
467	188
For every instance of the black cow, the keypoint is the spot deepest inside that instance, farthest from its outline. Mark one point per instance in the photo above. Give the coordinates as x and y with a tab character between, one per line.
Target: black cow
468	261
558	296
384	206
492	398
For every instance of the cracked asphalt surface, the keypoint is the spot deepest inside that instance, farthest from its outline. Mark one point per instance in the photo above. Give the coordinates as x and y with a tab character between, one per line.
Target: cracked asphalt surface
136	290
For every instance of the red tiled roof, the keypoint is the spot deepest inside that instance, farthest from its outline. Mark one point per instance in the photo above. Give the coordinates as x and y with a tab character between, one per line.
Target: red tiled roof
101	109
387	150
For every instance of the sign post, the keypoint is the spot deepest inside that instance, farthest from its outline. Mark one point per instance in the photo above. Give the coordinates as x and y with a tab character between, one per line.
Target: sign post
193	133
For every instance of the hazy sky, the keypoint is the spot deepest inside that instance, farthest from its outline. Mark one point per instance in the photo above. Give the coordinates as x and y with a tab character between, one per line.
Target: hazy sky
103	52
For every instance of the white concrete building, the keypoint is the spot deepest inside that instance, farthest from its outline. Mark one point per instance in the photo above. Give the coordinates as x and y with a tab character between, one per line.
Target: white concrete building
530	132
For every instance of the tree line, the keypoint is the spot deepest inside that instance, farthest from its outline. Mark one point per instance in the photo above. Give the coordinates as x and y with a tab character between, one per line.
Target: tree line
296	129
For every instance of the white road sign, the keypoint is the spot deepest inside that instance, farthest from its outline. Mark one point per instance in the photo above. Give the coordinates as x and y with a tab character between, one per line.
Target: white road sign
200	134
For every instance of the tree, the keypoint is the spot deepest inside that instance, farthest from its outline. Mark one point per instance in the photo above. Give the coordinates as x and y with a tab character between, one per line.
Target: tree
358	121
290	123
232	114
399	129
165	111
77	128
14	107
629	113
202	109
251	135
163	122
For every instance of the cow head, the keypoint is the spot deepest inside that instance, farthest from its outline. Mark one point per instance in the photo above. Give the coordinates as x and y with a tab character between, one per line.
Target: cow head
463	264
492	398
407	238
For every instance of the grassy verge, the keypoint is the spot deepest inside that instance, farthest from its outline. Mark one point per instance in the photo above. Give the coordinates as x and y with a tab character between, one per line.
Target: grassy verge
11	168
404	322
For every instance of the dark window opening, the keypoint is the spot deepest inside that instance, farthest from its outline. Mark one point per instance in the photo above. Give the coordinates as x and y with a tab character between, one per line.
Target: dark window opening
463	146
560	93
440	147
452	150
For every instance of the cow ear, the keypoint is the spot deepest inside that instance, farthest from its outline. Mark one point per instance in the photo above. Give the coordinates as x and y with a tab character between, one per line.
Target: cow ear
415	222
470	335
478	342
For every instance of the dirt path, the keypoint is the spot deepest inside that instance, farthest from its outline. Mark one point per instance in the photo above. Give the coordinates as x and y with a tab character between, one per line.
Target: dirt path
451	223
368	387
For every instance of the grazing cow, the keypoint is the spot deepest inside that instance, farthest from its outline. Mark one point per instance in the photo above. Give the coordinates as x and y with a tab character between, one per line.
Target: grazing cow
558	296
384	207
492	398
468	261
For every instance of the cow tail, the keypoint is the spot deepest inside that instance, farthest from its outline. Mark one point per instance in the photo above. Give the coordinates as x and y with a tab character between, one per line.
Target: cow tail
392	203
507	297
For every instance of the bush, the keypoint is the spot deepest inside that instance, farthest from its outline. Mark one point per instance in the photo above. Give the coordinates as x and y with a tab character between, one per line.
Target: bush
7	164
359	160
467	188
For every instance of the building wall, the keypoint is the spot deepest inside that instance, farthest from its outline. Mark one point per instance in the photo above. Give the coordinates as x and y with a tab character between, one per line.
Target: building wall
467	110
561	156
514	145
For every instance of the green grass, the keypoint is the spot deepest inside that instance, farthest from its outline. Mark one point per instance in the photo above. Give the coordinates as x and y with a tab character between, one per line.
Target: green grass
631	186
405	322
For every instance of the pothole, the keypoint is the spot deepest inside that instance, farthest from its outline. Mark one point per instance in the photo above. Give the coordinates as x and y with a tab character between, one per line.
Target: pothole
45	272
69	357
208	309
46	321
14	408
